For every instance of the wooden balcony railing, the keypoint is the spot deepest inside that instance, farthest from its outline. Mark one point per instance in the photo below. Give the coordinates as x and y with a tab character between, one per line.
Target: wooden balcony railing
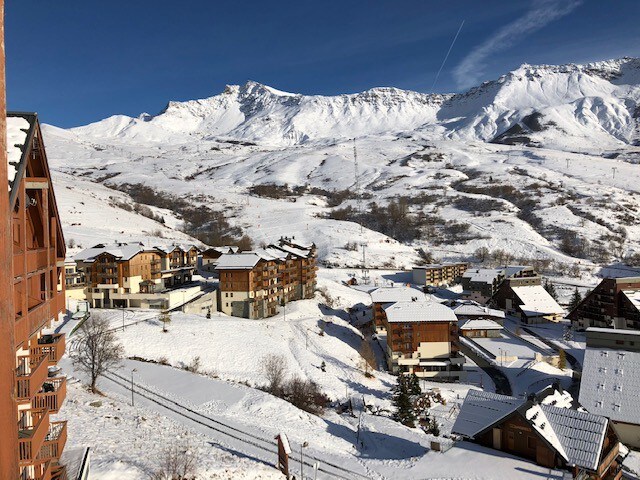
52	395
41	471
33	428
54	441
609	458
52	346
31	373
29	323
59	472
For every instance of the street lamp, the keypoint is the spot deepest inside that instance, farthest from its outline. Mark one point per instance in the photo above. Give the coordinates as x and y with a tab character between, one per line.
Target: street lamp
132	400
305	444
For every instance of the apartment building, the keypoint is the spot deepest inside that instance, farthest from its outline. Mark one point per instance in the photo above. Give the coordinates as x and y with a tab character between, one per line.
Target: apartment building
131	275
384	296
38	291
521	294
609	384
255	284
211	255
439	274
422	338
614	303
480	284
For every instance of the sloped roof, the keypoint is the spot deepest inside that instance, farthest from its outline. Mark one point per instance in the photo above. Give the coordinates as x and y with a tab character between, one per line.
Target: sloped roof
475	310
480	324
396	294
536	300
295	251
238	261
576	436
580	434
481	410
483	275
123	251
634	297
18	129
419	311
610	384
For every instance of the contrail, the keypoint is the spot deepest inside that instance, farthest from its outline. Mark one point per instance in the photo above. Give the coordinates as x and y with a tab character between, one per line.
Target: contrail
446	56
541	13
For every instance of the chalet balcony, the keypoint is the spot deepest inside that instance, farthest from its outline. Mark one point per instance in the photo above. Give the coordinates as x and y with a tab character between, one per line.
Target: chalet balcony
36	317
54	441
33	428
41	471
52	395
59	472
31	373
52	346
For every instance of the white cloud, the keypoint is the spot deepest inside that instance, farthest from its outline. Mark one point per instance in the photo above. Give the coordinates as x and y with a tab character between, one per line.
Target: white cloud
470	70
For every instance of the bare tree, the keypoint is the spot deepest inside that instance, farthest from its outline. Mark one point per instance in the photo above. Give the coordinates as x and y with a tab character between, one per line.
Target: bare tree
368	357
177	462
274	368
98	350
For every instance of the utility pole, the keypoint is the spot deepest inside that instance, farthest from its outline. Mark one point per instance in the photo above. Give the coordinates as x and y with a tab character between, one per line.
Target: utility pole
305	444
132	399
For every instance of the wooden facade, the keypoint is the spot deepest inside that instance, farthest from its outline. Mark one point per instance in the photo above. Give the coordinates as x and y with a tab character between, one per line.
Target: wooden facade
607	306
38	297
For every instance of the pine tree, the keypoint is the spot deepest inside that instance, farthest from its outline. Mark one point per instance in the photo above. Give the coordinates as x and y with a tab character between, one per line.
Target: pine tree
402	402
548	286
575	299
414	385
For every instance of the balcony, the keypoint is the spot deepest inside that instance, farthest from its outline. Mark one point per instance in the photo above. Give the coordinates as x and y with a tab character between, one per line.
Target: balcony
52	346
54	441
33	428
52	395
31	372
41	471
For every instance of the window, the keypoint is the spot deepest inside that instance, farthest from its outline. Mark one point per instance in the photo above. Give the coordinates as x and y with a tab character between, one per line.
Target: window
226	295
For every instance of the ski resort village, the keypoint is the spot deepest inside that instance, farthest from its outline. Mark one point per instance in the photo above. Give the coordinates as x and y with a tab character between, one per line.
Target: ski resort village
378	285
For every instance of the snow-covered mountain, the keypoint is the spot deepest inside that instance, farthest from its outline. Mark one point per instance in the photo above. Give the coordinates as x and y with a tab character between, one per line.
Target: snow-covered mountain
598	102
555	148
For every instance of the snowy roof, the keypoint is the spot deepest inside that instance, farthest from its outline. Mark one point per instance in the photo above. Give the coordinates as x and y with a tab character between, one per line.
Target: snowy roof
238	261
580	435
482	409
475	310
610	384
536	300
437	265
122	251
481	324
17	133
483	275
295	251
511	270
396	294
577	436
634	297
419	311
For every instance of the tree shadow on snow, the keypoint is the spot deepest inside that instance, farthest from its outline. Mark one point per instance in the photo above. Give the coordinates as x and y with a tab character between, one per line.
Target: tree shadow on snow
378	445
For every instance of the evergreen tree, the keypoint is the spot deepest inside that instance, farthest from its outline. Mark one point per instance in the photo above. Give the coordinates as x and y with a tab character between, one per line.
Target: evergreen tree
414	385
548	286
575	299
402	402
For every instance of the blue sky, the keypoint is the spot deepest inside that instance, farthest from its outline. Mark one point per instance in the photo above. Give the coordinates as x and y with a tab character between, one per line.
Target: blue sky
78	61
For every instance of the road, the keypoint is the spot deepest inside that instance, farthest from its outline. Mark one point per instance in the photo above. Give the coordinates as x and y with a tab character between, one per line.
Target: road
499	379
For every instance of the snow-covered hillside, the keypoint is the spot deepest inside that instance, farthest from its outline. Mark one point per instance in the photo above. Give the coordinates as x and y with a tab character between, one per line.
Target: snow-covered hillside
541	163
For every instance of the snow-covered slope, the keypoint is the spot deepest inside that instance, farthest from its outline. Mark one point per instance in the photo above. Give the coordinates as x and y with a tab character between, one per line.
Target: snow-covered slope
544	154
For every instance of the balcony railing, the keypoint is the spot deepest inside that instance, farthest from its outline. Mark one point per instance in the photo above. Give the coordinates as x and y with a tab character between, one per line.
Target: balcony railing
33	428
52	395
54	441
41	471
31	372
52	346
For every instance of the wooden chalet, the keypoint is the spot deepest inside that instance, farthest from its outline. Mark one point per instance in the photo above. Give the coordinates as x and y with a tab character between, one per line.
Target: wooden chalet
385	296
549	435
